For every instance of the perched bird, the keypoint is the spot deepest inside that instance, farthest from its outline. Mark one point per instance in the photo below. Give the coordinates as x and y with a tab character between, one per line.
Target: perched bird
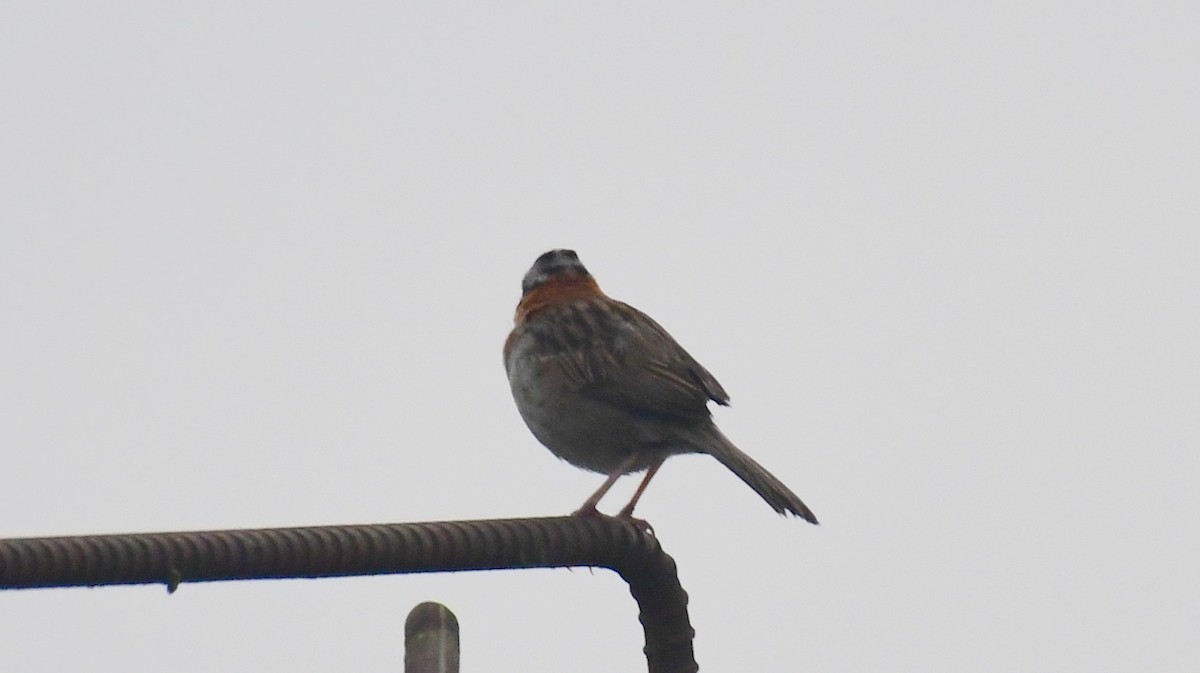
607	389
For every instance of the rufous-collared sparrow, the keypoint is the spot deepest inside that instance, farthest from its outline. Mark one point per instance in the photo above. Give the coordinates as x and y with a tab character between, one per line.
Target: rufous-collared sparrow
606	388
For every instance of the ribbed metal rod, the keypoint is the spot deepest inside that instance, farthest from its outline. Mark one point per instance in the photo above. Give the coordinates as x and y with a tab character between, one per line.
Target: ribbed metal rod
373	549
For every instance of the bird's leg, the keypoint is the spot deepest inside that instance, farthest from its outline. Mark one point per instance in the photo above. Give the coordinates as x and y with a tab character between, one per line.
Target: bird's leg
589	506
627	511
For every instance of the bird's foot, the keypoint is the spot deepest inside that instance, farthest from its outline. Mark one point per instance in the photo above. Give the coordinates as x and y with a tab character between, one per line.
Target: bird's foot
588	510
640	524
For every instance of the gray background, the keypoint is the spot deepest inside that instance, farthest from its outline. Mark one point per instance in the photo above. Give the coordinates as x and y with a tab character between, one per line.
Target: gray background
257	261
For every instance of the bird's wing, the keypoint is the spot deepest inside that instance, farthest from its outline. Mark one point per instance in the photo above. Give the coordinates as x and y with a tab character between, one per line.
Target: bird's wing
640	367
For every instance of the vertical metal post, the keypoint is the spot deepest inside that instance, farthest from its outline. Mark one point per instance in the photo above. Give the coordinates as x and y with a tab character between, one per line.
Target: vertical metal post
431	640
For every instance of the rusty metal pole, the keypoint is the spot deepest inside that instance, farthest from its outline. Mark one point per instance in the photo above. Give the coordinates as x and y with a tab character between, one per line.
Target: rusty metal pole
431	640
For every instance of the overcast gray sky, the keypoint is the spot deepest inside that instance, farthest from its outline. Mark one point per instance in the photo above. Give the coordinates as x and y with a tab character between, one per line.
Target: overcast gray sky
257	261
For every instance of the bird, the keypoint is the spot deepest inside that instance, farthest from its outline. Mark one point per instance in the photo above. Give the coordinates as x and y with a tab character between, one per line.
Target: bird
607	389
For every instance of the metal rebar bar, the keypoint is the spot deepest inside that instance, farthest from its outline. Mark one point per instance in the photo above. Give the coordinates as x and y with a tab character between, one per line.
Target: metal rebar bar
338	551
431	640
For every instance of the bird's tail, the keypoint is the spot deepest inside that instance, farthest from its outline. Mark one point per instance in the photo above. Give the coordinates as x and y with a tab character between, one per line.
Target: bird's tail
765	484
